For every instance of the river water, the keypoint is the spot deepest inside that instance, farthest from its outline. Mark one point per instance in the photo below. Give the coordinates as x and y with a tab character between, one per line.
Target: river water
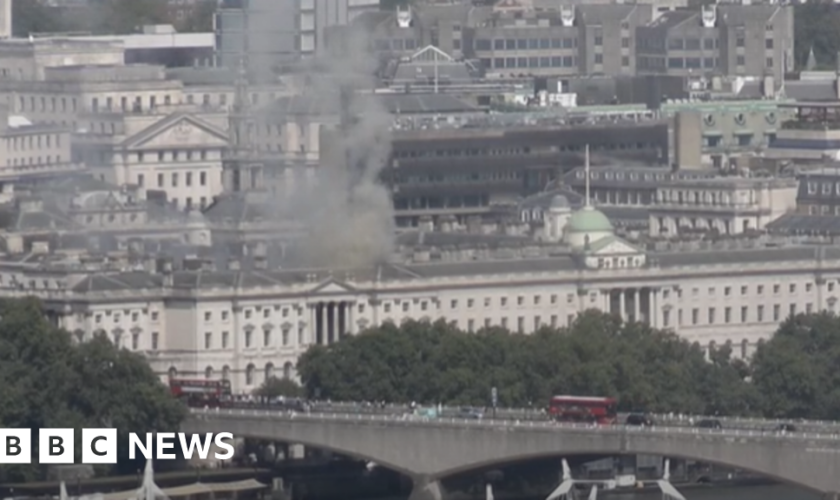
776	492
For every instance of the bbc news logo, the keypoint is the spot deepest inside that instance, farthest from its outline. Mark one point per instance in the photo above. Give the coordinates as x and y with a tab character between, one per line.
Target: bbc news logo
99	446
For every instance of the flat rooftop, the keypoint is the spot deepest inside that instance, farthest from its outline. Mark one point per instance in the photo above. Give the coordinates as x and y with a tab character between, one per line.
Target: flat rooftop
146	41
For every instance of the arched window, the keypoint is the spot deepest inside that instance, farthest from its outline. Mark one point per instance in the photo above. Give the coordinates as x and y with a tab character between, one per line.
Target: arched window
249	374
269	370
208	372
287	370
226	372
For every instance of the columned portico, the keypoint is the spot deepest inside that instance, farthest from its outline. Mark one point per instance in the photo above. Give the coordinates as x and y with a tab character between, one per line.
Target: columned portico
634	304
330	320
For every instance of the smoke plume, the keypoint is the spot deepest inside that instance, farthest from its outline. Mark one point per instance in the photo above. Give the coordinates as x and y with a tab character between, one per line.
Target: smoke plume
349	214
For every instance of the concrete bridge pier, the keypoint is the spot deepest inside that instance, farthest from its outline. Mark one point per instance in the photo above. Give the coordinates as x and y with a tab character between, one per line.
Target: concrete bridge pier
425	488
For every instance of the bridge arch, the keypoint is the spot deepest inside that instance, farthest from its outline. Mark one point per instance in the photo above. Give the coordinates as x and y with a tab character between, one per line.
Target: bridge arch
439	449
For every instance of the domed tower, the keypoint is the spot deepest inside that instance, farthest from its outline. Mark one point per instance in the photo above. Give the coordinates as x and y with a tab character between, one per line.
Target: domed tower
556	218
587	225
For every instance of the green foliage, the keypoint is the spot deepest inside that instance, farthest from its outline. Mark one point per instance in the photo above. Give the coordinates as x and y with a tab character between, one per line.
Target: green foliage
48	381
102	16
276	387
598	355
796	373
817	25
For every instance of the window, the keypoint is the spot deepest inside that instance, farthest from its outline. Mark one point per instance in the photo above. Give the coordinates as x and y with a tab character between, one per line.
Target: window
599	59
744	314
759	313
225	337
740	60
202	178
727	314
208	340
155	337
695	316
768	43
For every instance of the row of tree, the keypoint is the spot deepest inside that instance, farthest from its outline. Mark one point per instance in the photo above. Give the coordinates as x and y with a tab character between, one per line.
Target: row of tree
793	375
48	381
110	16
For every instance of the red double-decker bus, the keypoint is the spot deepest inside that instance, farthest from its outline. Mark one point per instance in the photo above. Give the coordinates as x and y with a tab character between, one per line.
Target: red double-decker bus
583	409
200	393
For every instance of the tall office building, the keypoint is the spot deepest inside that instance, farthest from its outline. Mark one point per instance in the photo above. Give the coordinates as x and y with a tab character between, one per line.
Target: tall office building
278	31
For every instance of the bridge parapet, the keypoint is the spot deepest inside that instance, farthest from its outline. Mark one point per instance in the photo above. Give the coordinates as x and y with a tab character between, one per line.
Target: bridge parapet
435	448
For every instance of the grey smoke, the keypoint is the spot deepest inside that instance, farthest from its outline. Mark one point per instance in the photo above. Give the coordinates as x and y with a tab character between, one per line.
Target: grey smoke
348	214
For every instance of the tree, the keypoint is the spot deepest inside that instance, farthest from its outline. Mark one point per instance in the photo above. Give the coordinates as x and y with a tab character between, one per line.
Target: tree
429	363
128	16
796	371
817	26
279	387
48	381
34	16
198	18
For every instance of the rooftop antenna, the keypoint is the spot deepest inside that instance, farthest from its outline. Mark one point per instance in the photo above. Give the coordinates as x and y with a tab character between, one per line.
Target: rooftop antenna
586	172
437	71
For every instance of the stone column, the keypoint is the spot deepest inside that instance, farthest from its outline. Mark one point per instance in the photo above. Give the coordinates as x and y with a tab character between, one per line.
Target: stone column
324	328
606	300
351	324
310	312
637	306
336	321
622	304
653	304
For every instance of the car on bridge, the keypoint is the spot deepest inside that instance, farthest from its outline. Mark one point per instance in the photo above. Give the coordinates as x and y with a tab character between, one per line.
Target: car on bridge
709	423
470	413
639	419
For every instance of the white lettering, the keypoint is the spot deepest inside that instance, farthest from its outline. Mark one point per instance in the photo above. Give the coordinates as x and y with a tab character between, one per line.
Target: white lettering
195	442
145	448
163	445
221	442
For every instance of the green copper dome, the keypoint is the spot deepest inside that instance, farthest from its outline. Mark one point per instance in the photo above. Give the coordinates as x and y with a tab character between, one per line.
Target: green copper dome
588	220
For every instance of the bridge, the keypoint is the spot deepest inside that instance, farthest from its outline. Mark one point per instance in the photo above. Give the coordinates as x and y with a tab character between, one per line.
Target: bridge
428	450
666	420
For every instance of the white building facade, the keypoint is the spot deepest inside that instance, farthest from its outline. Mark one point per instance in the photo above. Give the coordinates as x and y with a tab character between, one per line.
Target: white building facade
246	326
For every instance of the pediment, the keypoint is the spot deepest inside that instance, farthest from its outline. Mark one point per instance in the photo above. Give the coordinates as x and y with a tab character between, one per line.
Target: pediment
178	132
615	246
333	287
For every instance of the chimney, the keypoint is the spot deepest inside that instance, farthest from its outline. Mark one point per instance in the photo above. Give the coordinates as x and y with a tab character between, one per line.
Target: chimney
768	87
